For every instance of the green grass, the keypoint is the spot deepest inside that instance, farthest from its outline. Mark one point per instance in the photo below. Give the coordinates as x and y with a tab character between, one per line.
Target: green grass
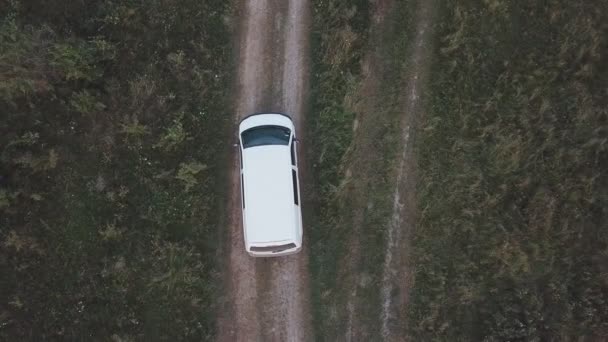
512	241
113	120
336	73
370	156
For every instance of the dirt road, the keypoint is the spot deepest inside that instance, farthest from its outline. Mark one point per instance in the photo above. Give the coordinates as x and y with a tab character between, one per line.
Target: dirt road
268	299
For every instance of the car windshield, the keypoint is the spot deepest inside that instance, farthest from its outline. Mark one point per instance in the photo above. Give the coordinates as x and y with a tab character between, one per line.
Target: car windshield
266	135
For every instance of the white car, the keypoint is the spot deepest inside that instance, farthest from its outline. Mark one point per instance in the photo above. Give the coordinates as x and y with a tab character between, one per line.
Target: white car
270	190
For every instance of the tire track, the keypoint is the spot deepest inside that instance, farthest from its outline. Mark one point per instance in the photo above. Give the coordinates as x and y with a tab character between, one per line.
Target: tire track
242	324
396	273
289	282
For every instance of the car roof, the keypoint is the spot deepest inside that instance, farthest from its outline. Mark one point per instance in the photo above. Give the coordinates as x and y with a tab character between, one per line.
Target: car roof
270	212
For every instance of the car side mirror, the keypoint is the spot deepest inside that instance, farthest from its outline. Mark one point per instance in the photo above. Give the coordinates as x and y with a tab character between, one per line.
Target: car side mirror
296	140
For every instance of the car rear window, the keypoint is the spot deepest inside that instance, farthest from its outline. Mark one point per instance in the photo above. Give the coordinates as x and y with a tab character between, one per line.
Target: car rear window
266	135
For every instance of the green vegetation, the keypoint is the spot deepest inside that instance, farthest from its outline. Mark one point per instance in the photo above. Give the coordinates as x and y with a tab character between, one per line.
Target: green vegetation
112	118
339	36
513	191
354	170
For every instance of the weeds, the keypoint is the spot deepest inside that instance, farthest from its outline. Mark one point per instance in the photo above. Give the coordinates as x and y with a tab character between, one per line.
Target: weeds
187	173
511	242
108	223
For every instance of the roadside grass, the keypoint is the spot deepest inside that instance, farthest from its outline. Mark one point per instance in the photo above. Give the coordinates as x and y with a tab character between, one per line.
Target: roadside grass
513	191
354	169
114	119
339	35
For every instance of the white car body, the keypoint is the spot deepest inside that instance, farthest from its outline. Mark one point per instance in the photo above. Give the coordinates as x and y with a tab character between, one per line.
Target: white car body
270	189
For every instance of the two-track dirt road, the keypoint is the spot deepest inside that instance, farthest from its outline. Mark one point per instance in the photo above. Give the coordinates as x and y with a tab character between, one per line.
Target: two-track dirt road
372	112
268	299
396	269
